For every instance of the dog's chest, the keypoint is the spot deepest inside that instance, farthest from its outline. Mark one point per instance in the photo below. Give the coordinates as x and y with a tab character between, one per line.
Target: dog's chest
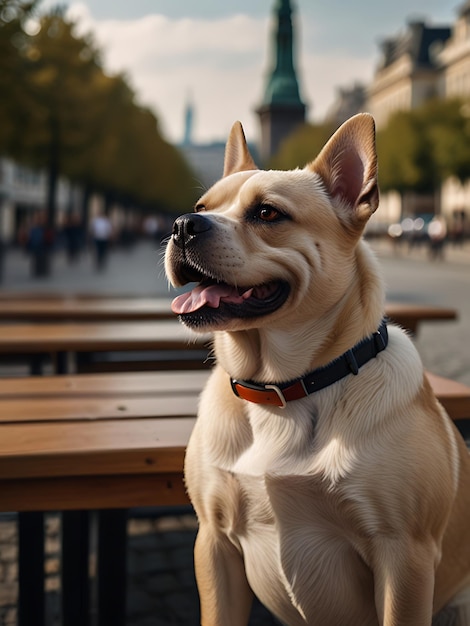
291	527
294	537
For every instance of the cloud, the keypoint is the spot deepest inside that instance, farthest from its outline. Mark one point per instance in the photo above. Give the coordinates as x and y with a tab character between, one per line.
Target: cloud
323	75
219	62
222	63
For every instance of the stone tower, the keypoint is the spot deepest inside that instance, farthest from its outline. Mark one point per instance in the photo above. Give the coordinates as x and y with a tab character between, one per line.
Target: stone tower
282	109
188	122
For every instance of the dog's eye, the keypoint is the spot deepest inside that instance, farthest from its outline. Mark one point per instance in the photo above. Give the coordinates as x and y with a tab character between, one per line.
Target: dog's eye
199	207
268	213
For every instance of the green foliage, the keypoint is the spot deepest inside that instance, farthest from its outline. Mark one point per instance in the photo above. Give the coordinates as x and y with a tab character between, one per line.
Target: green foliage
404	155
447	125
301	147
69	117
419	149
13	14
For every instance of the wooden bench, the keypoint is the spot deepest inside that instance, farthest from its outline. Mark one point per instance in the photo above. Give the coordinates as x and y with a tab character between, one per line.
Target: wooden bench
47	309
76	444
169	339
107	442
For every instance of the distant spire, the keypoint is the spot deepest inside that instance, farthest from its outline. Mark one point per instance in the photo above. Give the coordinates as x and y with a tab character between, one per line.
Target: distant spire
282	86
188	122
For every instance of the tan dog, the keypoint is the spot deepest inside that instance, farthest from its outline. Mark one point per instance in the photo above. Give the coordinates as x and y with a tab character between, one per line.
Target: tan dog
350	505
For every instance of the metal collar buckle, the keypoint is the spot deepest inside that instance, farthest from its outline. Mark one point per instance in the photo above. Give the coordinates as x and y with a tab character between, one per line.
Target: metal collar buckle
246	390
279	393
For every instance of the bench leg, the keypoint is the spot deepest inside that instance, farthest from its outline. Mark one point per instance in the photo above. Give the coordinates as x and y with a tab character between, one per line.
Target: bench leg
61	363
31	603
112	567
75	575
36	362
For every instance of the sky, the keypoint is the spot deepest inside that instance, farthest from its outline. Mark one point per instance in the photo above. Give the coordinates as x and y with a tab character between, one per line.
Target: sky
215	53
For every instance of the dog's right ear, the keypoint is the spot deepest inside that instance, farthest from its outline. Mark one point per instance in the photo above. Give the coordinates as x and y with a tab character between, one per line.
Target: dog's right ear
348	167
237	155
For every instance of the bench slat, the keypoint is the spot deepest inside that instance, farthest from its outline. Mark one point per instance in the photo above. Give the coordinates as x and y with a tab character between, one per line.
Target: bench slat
100	448
454	396
101	385
86	408
93	492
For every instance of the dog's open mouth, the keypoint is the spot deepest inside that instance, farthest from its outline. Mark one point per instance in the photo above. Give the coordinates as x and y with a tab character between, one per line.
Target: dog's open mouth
212	302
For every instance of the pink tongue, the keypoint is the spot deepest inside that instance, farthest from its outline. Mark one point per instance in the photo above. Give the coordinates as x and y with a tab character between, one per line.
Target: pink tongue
210	295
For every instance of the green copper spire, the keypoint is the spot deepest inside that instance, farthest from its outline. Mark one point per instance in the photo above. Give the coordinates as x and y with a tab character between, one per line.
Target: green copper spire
282	87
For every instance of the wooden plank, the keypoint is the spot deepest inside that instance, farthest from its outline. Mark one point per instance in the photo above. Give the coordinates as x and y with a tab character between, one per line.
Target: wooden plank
102	385
410	315
93	448
93	492
40	308
49	309
100	336
454	396
120	407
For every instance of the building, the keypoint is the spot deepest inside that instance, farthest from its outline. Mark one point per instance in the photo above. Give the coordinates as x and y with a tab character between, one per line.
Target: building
23	191
454	58
408	73
206	161
282	109
349	101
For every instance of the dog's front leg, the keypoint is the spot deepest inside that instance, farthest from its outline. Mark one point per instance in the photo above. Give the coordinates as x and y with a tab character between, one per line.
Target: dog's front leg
224	592
404	581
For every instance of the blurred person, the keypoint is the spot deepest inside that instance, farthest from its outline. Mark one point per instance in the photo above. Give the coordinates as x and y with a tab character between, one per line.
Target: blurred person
458	229
39	243
101	232
437	232
73	236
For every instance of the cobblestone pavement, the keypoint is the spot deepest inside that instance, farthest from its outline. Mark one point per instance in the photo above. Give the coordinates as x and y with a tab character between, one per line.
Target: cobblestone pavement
161	586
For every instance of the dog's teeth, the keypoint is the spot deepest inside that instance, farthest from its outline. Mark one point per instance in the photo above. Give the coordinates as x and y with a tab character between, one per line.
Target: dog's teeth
247	294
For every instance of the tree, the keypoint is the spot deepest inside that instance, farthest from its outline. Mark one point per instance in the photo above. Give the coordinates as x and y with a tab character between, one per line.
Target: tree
405	155
128	159
60	68
420	149
447	126
77	122
13	14
302	146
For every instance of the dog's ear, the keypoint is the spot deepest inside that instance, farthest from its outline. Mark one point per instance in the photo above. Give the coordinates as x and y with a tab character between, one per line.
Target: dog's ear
348	166
237	155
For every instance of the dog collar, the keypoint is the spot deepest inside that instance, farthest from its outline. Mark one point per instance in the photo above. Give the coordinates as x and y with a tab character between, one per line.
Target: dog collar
347	363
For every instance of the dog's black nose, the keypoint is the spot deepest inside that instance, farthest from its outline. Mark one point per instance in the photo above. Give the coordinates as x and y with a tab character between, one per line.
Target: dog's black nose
188	226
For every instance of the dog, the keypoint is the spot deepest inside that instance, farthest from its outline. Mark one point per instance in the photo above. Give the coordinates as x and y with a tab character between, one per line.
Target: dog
326	477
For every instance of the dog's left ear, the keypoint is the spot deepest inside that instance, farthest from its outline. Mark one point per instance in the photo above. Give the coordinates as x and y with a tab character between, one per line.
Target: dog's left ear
348	166
237	155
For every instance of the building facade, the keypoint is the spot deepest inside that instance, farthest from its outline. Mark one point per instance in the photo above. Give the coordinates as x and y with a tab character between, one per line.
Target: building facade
408	73
454	58
23	192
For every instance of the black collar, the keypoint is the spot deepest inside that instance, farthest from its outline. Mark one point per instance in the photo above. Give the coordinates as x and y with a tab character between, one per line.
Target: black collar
347	363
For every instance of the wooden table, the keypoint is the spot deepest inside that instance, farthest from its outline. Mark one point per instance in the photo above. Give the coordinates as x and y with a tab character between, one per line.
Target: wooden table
107	442
47	309
81	443
410	315
87	308
61	340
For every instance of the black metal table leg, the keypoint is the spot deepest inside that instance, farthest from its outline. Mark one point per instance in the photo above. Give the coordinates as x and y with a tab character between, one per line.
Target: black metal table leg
75	574
36	362
61	363
31	604
112	567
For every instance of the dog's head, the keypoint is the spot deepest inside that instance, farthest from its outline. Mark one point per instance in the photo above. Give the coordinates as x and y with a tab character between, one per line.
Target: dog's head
271	244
